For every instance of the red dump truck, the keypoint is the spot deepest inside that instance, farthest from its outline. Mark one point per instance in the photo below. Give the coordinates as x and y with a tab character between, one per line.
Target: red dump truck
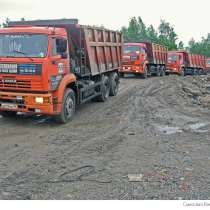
185	63
48	67
144	59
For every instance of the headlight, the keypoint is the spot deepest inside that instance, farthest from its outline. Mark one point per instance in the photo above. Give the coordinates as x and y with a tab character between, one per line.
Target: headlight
39	100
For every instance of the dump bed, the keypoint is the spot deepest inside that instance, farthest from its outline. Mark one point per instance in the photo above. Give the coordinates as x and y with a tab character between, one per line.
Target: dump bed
157	54
100	49
93	50
197	61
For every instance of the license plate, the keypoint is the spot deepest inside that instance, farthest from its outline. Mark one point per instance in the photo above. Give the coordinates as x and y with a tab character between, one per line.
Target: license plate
9	106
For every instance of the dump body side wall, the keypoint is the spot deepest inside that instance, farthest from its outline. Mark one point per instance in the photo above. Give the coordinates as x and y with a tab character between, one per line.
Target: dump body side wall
157	54
104	49
197	61
100	49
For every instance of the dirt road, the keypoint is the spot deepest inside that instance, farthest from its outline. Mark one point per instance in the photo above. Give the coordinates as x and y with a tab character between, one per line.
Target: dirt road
155	132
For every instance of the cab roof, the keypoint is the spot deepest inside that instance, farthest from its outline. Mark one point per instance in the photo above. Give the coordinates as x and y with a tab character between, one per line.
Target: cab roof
33	30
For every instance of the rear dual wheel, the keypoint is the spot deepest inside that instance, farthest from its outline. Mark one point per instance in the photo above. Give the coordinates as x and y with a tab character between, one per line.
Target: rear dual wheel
105	89
114	84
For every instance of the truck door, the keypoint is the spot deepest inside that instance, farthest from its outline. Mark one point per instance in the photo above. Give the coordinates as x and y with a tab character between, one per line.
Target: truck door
60	56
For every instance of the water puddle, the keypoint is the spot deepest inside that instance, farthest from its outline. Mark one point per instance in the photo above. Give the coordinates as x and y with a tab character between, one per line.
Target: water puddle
169	130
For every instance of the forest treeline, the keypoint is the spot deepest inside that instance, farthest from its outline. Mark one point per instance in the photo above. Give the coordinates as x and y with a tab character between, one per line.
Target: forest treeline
138	31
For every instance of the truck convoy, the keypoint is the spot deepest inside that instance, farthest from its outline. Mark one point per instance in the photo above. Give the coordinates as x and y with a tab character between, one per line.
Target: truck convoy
184	63
144	59
48	67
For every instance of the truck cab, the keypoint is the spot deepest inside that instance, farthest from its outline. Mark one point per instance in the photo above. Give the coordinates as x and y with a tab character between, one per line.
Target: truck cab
33	60
175	62
134	58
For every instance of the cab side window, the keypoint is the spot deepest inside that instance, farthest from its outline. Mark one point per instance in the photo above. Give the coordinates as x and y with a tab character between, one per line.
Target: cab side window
59	46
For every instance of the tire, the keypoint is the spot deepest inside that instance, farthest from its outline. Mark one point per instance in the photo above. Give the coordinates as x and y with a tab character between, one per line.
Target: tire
158	74
145	74
105	89
68	107
163	73
195	72
182	74
114	84
8	114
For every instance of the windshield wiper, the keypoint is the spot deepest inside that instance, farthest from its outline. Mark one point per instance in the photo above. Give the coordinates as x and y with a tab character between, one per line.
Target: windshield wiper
23	53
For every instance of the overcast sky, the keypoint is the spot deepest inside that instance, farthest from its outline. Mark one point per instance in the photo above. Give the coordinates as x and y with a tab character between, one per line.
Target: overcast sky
190	18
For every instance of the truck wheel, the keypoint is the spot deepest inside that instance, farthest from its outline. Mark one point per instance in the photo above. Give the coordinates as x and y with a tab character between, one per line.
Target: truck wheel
105	89
158	74
68	107
114	84
8	113
163	72
182	73
145	74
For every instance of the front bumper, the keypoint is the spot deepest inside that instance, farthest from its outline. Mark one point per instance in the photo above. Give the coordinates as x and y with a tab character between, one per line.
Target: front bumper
172	70
135	69
25	102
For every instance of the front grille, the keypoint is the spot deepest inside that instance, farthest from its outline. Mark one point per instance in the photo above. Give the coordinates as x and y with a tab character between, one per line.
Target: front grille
11	83
128	63
23	84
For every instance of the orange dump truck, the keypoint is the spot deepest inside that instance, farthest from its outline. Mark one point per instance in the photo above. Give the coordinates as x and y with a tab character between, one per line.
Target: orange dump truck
144	59
185	63
48	67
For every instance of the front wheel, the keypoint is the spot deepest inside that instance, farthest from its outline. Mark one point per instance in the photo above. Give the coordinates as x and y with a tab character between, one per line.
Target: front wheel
182	73
145	74
68	107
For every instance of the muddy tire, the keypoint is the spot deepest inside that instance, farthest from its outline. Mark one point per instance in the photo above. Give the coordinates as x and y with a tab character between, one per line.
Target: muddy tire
68	107
163	72
114	84
8	114
182	73
145	74
158	74
105	89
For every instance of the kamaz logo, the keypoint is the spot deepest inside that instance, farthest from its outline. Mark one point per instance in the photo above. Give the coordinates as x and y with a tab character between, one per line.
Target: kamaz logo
10	81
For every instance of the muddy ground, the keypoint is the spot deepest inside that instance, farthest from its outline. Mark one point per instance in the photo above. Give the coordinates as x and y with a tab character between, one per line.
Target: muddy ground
150	142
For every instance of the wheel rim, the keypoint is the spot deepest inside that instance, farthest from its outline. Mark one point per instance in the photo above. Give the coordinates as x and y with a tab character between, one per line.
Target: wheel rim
69	107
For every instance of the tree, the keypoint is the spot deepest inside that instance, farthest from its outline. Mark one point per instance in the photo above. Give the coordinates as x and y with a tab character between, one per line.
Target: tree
181	45
202	47
152	34
167	35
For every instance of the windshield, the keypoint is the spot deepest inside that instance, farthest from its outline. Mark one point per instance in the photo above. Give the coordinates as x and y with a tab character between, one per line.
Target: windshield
23	45
208	62
133	49
172	57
